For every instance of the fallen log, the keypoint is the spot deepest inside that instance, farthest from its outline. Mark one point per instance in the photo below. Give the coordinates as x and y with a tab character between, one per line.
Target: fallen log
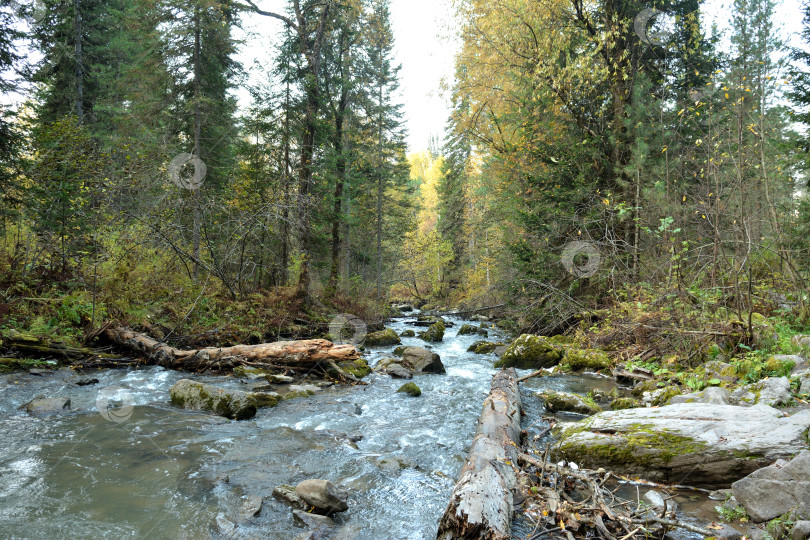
482	501
29	346
303	355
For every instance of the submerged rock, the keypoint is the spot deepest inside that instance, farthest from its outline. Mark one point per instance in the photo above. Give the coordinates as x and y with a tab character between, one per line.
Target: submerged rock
43	405
565	402
434	333
314	522
207	397
688	443
323	495
286	493
383	337
775	490
411	389
530	352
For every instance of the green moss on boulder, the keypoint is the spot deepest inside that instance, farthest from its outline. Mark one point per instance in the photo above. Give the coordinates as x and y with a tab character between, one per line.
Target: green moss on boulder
586	359
411	389
434	333
407	333
530	352
233	404
483	347
624	403
565	402
383	337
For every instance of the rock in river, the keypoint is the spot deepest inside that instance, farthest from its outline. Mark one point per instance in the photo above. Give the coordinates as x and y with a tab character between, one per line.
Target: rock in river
228	403
434	333
772	491
530	352
43	405
565	402
689	443
383	337
423	360
323	495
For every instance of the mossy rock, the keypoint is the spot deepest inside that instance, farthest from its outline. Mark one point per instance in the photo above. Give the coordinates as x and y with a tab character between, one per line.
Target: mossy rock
399	350
233	404
407	333
411	389
483	347
434	333
381	338
586	359
665	394
266	399
644	386
565	402
358	368
249	372
624	403
530	352
470	330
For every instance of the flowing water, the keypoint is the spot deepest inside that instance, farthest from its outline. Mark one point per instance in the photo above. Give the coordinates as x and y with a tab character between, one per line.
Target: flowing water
161	472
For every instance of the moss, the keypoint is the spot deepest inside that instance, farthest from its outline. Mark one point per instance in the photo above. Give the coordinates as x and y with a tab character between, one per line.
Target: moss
411	389
581	359
16	364
560	401
248	372
530	352
666	394
358	368
624	403
297	394
408	333
383	337
483	347
399	350
646	386
265	399
642	444
434	333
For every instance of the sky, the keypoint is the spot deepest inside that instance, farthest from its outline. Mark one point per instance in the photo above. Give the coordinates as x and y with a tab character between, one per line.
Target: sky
426	47
423	47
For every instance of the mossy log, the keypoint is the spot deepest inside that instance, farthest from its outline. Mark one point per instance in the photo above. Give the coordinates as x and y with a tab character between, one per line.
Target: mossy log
306	355
481	505
29	346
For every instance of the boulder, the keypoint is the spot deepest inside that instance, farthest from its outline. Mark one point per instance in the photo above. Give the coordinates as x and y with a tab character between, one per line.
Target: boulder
407	333
804	382
357	368
383	337
423	360
434	333
394	367
801	340
799	363
470	330
314	522
287	494
586	359
801	530
713	394
43	405
688	443
411	389
774	391
280	379
721	371
742	397
233	404
301	390
483	347
624	403
565	402
323	495
250	373
266	399
530	352
775	490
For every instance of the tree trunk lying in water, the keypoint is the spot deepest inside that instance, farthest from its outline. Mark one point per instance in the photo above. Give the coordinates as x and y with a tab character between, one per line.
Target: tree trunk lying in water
303	355
482	502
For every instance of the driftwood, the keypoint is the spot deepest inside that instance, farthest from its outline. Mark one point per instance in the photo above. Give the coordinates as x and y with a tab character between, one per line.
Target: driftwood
303	355
482	501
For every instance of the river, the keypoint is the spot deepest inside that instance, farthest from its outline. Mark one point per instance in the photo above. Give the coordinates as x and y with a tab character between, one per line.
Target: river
156	471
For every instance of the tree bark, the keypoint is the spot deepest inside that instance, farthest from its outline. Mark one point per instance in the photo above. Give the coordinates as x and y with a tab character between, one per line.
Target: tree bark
303	355
482	502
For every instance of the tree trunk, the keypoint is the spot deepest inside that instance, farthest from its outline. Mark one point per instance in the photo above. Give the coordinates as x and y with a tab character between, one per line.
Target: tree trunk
303	355
482	502
79	69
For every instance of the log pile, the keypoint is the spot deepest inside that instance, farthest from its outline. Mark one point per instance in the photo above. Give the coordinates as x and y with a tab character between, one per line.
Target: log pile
482	502
301	356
